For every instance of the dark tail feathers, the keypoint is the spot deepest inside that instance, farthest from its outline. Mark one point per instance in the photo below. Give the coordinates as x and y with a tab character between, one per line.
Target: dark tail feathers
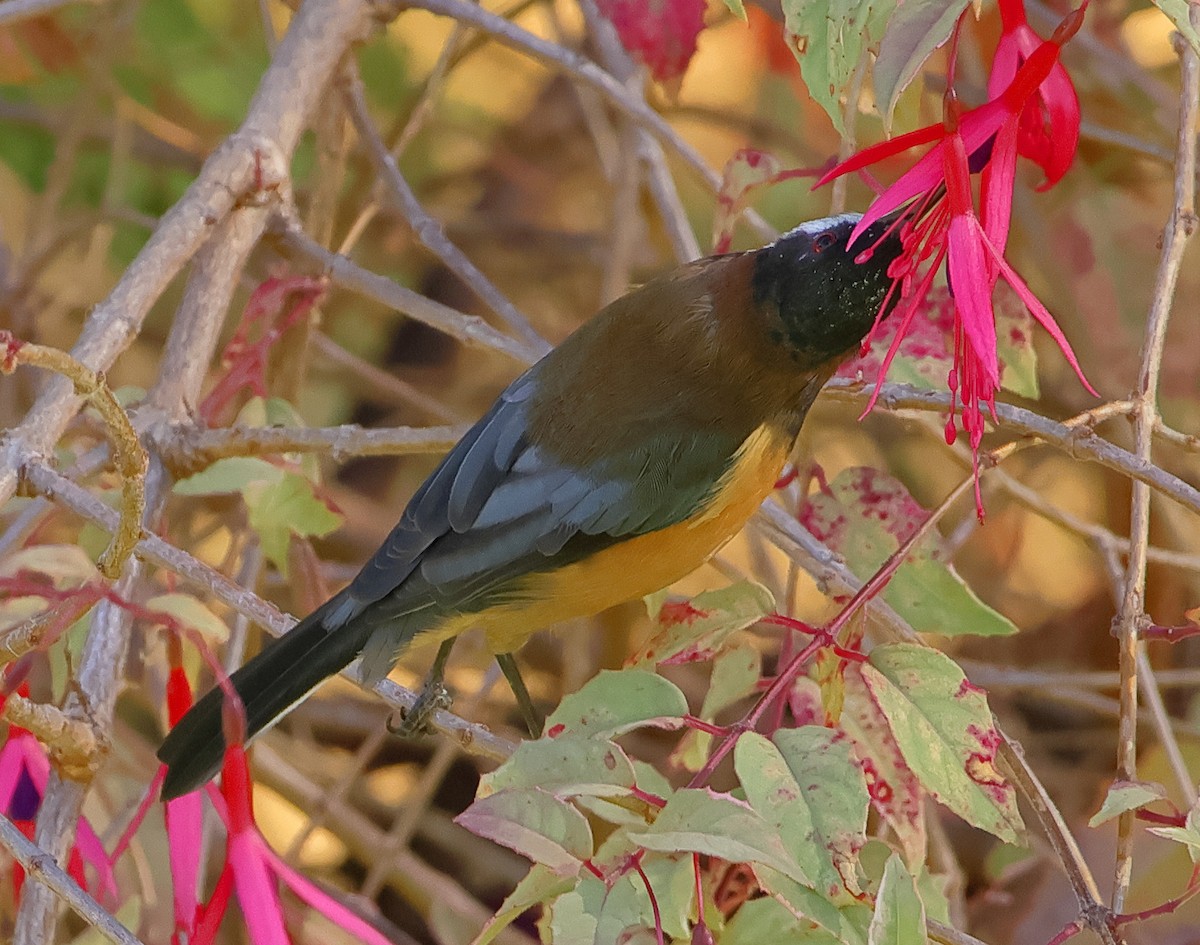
270	684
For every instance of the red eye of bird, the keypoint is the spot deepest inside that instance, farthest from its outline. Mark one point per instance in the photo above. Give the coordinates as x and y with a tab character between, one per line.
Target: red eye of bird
822	242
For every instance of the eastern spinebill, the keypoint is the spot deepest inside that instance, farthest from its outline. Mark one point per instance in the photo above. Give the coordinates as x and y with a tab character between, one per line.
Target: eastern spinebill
614	466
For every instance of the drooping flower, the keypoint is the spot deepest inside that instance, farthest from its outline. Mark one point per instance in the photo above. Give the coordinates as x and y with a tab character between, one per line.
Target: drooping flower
24	774
936	217
1049	127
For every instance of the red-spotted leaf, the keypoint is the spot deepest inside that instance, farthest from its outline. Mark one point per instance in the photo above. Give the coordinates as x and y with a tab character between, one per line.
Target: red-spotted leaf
829	40
915	30
614	702
808	786
892	785
747	169
696	630
945	731
865	515
925	354
661	34
535	824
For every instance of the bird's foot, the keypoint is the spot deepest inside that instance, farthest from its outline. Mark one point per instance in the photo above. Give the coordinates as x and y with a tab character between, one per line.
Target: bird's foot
418	719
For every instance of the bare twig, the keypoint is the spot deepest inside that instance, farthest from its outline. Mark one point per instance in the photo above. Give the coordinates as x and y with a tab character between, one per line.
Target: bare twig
475	739
426	229
42	868
469	329
252	161
1131	614
1080	442
126	450
188	448
588	72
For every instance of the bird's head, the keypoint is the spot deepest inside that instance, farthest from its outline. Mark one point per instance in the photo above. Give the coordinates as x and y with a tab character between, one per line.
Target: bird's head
820	295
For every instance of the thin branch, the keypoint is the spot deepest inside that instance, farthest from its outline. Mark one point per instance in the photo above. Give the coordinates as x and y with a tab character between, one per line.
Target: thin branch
1080	442
589	73
41	867
425	228
1092	911
252	161
474	738
469	329
1131	614
1098	534
188	448
649	152
380	382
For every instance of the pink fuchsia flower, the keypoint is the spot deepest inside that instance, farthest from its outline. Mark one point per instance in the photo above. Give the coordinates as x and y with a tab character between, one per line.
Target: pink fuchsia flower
938	223
1049	126
24	773
253	870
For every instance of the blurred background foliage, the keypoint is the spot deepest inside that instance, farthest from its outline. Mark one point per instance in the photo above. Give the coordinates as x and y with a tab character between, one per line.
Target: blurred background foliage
107	111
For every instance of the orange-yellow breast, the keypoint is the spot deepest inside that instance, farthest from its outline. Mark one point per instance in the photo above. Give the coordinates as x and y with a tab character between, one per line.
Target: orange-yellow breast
638	566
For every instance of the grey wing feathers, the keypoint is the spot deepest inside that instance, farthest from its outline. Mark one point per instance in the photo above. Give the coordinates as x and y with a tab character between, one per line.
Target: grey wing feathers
499	507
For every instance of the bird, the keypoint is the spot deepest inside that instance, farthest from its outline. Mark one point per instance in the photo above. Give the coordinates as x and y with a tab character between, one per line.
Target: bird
614	466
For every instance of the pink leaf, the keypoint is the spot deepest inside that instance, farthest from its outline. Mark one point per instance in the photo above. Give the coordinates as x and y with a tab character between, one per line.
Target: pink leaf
658	33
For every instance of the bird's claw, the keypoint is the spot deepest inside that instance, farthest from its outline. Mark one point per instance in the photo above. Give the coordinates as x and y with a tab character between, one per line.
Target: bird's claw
418	720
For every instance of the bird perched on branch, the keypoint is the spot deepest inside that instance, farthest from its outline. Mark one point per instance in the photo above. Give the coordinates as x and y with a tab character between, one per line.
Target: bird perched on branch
611	468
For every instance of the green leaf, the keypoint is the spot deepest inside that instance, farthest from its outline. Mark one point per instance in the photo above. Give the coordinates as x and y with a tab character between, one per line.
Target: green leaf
65	565
931	887
1188	835
1125	796
894	789
1177	13
534	823
847	924
702	821
899	912
737	8
865	515
614	702
288	507
808	786
735	675
945	731
766	920
233	474
539	885
567	766
593	914
694	630
915	30
829	38
192	614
